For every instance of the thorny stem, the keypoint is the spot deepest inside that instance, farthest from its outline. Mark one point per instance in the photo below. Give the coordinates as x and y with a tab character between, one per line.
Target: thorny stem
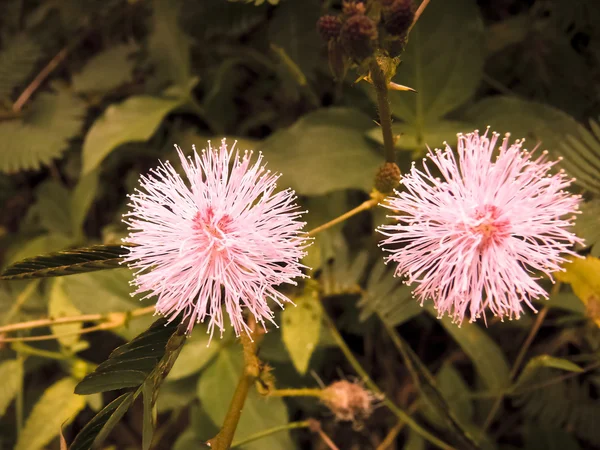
270	431
376	197
402	415
517	364
383	105
223	439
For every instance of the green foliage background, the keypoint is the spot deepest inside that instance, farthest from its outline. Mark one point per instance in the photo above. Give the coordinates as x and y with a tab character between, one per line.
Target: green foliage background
132	78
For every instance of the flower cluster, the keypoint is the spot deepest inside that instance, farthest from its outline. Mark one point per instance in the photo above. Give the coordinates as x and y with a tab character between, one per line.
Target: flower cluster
471	230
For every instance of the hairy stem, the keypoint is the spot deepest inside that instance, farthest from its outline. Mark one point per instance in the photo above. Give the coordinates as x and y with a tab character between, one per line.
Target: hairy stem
373	201
307	392
223	439
383	105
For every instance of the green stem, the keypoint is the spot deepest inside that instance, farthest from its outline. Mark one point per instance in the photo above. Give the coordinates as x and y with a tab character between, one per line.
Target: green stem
270	431
223	439
306	392
402	415
383	104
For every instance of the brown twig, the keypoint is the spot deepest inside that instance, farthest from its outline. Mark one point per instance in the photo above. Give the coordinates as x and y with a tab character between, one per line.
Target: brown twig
315	427
40	78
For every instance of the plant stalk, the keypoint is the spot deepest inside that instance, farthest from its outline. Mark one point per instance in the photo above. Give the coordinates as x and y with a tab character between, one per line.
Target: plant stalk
383	105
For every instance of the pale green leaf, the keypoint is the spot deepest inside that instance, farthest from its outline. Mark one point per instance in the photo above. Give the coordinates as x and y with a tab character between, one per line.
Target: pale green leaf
43	134
11	374
107	292
196	353
485	354
443	62
215	390
301	326
324	151
536	122
57	406
81	199
106	70
535	364
52	208
134	120
60	305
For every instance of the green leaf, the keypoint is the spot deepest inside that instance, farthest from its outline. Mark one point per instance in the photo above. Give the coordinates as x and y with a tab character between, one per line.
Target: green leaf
17	59
148	419
81	200
103	422
43	134
134	120
581	153
536	122
388	297
443	62
324	151
67	262
52	197
535	364
196	353
215	390
11	374
57	406
59	305
301	327
430	134
131	364
141	364
582	274
486	355
293	28
106	70
168	45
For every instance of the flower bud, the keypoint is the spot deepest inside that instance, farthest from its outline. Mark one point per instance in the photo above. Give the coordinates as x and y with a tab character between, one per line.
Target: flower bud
351	8
329	27
387	178
358	35
398	17
349	402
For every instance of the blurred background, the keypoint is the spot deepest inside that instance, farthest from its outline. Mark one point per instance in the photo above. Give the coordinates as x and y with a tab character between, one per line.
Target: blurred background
94	93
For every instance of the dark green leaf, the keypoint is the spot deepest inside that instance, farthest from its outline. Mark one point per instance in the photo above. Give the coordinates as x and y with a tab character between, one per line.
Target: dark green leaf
66	262
324	151
130	364
102	422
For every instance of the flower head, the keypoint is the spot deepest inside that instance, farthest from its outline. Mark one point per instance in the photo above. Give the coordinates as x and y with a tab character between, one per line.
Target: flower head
349	402
223	237
475	237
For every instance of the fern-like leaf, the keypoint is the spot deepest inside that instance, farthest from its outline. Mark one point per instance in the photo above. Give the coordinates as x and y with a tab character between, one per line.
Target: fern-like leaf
582	156
43	134
17	59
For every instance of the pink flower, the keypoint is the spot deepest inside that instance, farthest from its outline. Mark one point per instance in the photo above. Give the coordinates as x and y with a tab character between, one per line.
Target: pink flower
475	238
223	237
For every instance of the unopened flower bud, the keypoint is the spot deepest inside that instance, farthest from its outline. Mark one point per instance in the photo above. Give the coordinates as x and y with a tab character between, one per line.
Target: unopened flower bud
387	178
351	8
398	17
358	35
349	402
329	27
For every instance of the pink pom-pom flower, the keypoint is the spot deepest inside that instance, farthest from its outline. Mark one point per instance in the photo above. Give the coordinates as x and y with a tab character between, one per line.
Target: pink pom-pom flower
223	238
477	236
